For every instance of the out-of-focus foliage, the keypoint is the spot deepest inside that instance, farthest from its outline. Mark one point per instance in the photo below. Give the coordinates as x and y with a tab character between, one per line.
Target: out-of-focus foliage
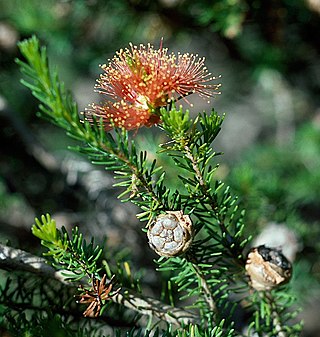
279	179
264	33
275	183
281	185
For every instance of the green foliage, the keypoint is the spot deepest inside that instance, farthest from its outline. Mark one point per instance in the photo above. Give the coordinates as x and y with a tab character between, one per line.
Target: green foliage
50	237
208	199
271	314
50	324
192	330
274	183
116	153
202	274
212	270
32	306
281	184
224	16
57	104
71	253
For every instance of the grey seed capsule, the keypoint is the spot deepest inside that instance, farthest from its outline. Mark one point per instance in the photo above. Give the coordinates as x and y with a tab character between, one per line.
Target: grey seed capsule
170	234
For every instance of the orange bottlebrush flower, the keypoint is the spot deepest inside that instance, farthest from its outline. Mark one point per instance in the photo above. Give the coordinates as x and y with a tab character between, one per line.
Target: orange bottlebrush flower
138	81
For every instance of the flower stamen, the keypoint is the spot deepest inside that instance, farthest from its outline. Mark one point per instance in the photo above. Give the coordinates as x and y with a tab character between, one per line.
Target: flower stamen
139	80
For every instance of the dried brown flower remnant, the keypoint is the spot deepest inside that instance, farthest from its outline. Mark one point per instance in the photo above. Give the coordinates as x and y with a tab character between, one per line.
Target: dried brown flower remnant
99	292
170	234
140	80
267	268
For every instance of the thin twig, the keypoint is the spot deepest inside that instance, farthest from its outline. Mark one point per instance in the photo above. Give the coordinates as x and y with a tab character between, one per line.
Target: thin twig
213	205
139	175
207	293
275	316
16	259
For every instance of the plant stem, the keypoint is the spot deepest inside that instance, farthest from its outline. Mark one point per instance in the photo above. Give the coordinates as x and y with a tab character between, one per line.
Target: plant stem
206	290
16	259
276	319
213	204
139	176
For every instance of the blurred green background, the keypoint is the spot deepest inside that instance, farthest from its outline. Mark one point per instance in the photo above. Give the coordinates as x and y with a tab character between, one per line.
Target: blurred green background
267	52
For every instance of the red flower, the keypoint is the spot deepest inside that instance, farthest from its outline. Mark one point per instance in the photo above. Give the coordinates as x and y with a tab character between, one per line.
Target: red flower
138	81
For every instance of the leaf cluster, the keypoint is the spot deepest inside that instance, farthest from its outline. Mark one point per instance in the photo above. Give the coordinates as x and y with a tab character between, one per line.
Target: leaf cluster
271	315
142	180
213	268
47	324
206	198
31	306
72	253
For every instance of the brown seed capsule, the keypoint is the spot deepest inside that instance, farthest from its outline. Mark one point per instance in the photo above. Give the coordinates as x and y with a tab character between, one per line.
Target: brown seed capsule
170	234
267	268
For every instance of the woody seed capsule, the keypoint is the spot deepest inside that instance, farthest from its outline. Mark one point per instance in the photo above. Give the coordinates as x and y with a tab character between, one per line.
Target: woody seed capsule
170	234
267	268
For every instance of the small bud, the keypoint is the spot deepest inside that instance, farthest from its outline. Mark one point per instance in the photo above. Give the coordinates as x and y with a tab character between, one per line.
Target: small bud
170	234
267	268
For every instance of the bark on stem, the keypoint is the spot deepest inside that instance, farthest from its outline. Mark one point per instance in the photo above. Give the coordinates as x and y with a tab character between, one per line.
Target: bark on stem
16	259
207	293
